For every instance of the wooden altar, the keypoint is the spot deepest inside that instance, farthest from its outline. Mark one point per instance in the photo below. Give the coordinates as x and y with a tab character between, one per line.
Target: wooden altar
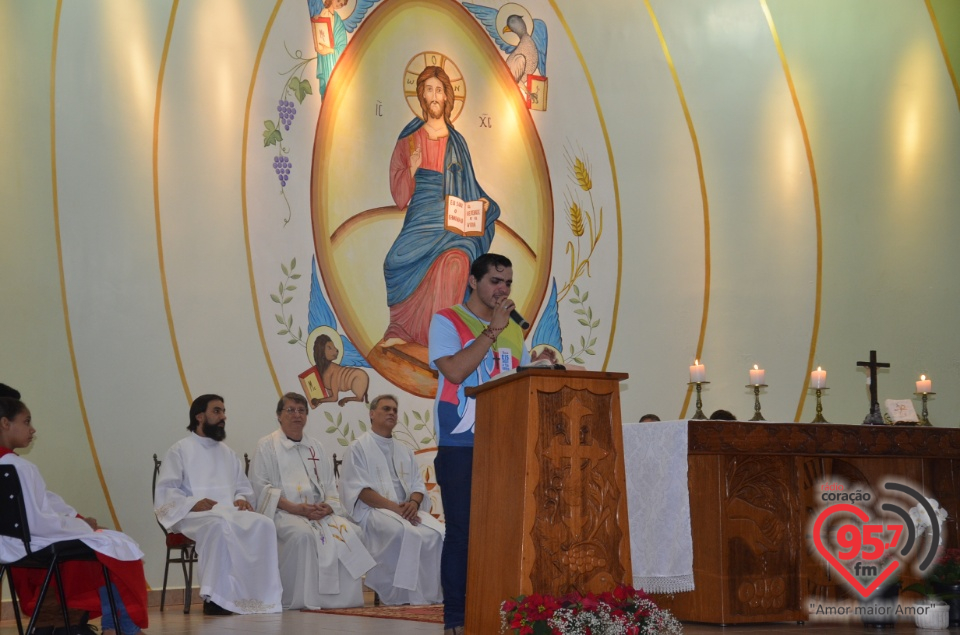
549	507
753	495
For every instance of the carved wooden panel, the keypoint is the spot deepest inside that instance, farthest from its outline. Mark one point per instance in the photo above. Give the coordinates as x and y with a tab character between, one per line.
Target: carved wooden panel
756	485
738	437
575	530
760	540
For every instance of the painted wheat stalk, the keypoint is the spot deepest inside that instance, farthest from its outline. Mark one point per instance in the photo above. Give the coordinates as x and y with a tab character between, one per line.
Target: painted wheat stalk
580	221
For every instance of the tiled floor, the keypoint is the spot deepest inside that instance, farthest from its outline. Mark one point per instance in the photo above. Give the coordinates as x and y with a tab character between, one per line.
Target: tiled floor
174	622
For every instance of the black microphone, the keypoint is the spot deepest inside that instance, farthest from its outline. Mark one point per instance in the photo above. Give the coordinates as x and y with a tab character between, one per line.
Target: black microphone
516	317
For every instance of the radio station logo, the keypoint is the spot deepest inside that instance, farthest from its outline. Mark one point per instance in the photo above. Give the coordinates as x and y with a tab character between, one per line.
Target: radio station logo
868	549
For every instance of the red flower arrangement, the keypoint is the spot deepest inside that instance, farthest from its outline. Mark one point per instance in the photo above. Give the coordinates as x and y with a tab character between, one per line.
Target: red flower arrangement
623	611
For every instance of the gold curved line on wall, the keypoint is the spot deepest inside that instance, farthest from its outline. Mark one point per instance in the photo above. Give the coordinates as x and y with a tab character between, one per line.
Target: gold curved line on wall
703	196
63	281
156	199
943	50
816	206
243	192
613	176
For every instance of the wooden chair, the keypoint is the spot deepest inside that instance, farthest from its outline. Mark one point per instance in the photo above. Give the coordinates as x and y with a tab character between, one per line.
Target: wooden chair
14	524
336	466
176	542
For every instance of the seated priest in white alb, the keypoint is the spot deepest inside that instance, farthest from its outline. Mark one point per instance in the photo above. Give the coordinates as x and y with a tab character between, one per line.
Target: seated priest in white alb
383	490
203	493
322	558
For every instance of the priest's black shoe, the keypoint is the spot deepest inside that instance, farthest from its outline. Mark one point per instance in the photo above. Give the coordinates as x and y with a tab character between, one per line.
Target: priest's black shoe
211	608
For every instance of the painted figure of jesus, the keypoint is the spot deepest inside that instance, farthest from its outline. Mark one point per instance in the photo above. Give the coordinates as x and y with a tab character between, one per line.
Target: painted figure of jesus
427	267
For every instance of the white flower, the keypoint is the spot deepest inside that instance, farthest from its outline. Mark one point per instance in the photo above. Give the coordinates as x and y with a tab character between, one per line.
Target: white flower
921	520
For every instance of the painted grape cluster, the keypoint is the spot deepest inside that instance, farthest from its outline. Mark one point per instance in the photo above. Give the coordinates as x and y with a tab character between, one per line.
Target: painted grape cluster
287	110
282	165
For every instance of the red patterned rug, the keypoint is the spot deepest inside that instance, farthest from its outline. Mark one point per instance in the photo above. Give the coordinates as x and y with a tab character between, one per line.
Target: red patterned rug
432	613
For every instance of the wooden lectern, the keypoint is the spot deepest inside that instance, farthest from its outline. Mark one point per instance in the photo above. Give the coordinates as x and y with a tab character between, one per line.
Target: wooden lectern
549	507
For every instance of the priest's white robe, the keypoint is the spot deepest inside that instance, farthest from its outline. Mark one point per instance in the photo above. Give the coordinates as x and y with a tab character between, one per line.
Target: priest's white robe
322	562
237	549
407	555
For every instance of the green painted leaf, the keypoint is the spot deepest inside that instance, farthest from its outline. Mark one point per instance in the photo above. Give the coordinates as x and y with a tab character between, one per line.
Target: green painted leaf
295	276
287	300
339	418
346	429
279	318
578	360
579	312
419	426
291	287
426	440
589	351
275	298
581	320
293	264
343	442
299	333
353	437
291	341
305	89
586	294
576	290
293	84
590	313
592	342
282	332
595	324
271	136
583	342
283	268
330	430
362	425
417	416
329	417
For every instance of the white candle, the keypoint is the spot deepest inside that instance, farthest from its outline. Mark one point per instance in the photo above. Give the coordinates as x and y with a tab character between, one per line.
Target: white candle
698	372
924	385
818	378
756	375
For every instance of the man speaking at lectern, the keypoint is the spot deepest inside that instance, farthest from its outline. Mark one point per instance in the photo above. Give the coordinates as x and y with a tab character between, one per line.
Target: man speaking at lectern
469	344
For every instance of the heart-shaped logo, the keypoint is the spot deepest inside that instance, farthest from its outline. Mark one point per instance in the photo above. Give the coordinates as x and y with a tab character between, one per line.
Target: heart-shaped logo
857	586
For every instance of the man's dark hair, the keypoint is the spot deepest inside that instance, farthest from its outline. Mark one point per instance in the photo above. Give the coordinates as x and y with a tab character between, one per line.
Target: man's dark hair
481	266
10	407
200	405
9	392
649	417
292	396
722	415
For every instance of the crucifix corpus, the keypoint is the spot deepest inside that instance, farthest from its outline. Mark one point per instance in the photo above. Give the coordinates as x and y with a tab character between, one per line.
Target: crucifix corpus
874	418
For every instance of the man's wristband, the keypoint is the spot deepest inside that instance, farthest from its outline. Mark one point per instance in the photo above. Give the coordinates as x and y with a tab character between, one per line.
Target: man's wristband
413	500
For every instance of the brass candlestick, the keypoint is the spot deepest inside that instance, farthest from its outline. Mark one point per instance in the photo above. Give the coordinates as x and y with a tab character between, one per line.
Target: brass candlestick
924	421
699	413
819	418
757	416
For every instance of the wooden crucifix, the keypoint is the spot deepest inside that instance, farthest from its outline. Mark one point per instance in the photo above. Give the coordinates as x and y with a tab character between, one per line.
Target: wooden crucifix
874	418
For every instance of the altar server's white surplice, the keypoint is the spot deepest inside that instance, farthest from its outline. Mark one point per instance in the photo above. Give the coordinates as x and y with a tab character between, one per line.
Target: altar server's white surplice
237	549
407	555
322	562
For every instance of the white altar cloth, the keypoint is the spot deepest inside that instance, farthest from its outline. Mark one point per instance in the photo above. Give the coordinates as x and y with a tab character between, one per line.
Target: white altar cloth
658	505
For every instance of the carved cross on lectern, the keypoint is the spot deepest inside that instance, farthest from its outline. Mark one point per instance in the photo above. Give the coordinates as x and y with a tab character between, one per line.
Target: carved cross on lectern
874	418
